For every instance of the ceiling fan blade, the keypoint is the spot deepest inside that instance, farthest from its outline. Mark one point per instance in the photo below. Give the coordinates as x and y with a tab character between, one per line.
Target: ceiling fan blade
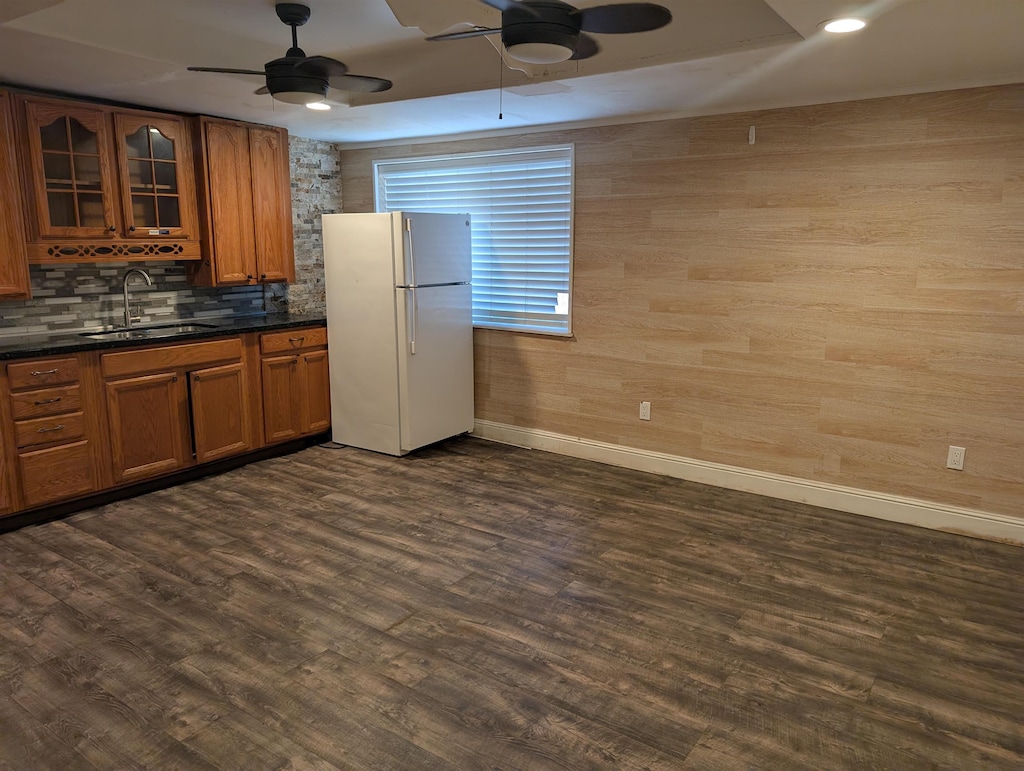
468	33
322	66
586	47
225	69
622	18
360	83
262	90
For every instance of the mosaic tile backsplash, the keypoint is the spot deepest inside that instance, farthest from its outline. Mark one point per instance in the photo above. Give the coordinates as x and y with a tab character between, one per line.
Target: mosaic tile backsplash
81	296
88	296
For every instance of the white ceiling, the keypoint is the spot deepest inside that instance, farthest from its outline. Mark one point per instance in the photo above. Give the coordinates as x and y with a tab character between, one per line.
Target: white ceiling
717	56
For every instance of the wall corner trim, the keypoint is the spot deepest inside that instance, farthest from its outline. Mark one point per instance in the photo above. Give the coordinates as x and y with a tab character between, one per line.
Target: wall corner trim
894	508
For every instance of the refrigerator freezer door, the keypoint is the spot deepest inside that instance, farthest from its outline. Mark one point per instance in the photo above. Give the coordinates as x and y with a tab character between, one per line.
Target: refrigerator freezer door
435	382
436	249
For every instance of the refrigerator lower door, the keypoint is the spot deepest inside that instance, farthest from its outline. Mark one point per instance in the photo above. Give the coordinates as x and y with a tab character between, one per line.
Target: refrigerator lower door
435	364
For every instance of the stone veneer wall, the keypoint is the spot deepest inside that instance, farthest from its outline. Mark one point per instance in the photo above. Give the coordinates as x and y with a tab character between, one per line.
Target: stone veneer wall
87	296
316	190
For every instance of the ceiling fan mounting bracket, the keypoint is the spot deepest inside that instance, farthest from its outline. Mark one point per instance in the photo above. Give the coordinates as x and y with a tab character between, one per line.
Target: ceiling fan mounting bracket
292	14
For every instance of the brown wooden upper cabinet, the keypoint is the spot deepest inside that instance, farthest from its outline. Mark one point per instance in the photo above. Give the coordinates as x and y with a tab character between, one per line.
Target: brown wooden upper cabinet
245	209
157	177
71	172
99	175
14	280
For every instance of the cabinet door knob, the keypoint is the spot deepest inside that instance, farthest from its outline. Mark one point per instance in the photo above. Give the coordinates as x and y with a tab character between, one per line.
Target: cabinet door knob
131	229
111	228
248	277
263	276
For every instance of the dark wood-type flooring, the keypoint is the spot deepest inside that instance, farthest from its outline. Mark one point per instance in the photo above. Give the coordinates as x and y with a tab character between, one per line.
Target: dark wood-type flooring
481	606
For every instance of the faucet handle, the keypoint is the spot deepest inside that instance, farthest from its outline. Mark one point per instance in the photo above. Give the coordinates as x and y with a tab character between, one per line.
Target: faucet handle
136	312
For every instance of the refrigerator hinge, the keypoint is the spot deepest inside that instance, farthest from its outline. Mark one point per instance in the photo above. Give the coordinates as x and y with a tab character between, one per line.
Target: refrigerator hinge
408	225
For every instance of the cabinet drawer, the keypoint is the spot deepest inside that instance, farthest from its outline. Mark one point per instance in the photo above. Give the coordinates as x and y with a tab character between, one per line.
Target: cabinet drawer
171	357
293	340
42	372
61	428
56	473
51	401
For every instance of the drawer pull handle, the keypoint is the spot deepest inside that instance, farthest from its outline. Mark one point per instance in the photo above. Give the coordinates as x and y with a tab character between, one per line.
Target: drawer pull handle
37	372
58	427
41	402
296	339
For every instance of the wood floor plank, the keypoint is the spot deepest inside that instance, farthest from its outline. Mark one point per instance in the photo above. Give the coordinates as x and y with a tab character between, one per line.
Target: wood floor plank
26	742
105	730
309	718
474	605
236	740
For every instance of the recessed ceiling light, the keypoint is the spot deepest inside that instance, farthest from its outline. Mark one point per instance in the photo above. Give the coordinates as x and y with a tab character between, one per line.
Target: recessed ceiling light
844	25
318	106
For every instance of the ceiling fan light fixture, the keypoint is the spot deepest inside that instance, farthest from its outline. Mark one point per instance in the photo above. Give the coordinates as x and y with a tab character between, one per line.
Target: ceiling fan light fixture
539	53
298	97
543	41
841	26
318	106
297	89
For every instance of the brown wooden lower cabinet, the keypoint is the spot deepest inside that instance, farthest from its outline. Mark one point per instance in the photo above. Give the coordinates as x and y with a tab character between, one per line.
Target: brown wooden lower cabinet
46	434
220	414
59	428
149	420
318	391
282	419
6	504
296	386
86	422
56	473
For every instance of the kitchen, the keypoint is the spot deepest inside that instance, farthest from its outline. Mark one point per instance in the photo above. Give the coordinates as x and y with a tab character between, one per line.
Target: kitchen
856	264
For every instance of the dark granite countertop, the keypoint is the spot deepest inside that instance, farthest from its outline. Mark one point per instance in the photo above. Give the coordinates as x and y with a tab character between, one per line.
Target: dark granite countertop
72	342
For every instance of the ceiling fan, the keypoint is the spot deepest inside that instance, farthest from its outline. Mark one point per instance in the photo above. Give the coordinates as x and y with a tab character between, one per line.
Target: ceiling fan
299	79
550	31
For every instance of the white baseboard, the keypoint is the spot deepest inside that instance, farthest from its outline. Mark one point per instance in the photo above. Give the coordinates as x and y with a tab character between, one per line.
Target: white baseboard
895	508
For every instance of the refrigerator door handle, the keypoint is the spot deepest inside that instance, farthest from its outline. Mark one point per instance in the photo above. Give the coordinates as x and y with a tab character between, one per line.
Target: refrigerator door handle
410	251
415	320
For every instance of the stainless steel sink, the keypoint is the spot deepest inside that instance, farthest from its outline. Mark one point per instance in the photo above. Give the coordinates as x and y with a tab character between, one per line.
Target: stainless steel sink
166	330
143	333
118	334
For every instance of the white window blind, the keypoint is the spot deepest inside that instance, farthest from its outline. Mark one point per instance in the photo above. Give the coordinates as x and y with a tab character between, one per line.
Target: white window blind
520	202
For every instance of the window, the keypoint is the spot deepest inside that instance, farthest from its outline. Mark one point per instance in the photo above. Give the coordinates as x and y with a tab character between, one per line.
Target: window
520	202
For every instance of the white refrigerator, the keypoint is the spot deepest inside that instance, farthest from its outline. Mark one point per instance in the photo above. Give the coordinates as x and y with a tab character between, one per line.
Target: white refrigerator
399	327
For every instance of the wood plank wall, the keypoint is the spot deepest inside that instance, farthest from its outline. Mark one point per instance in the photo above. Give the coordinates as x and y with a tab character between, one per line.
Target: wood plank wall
839	302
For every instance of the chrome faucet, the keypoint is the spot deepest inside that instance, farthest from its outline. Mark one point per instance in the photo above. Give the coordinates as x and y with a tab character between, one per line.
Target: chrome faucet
124	286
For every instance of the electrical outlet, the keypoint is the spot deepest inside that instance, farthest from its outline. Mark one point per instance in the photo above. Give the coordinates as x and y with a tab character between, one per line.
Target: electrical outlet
645	410
955	459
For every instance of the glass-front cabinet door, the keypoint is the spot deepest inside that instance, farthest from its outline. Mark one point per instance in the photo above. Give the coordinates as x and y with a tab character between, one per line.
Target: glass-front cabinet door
157	180
72	173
